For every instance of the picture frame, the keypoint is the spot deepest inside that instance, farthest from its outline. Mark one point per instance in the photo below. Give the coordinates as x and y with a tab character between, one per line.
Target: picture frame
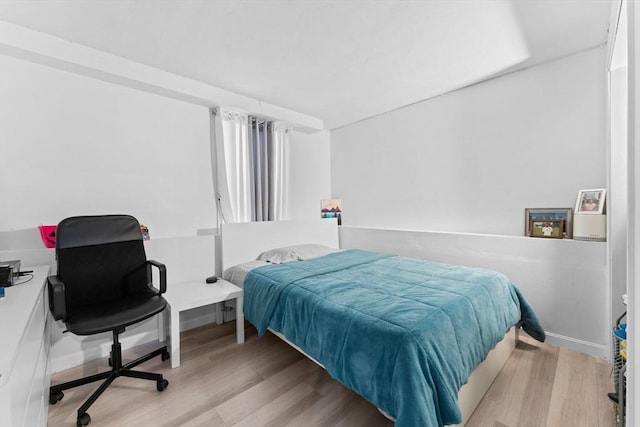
591	202
546	228
330	208
565	214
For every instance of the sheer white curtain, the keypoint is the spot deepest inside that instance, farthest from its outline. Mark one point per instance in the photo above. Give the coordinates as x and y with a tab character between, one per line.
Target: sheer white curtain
251	168
279	179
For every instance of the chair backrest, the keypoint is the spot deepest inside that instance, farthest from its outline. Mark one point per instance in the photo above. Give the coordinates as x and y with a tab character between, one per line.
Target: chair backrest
100	259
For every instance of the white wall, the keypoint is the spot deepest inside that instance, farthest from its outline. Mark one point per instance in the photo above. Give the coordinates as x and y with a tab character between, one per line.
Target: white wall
618	190
474	159
72	145
310	174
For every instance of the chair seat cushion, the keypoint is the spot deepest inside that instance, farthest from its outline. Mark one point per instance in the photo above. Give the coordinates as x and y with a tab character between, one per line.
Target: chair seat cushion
93	319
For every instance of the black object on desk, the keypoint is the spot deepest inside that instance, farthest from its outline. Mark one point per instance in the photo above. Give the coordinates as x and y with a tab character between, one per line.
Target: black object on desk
6	276
9	270
212	279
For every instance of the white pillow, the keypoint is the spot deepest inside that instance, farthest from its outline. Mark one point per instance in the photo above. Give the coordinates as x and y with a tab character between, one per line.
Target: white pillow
278	255
295	253
312	250
237	273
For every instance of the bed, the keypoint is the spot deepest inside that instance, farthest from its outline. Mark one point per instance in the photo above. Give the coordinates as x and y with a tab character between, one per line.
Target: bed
405	334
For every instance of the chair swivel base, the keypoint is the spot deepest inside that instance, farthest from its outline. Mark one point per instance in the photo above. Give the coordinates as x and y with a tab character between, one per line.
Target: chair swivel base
117	370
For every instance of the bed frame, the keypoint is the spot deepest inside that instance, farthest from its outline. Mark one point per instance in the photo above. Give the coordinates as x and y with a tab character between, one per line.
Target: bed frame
242	242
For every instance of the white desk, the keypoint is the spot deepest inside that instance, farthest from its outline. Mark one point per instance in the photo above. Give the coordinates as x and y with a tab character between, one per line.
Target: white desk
24	351
188	295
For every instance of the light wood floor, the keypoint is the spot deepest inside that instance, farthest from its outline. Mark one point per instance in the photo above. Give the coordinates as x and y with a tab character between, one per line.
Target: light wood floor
264	382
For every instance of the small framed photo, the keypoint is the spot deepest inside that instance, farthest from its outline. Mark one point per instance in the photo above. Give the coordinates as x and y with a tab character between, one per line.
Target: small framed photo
547	228
591	201
330	208
565	214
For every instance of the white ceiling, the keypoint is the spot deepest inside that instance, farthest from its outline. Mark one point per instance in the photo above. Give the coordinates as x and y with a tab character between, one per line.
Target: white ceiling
339	61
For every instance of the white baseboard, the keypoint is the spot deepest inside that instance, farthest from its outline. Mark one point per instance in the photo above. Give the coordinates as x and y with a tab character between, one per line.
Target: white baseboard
593	349
197	321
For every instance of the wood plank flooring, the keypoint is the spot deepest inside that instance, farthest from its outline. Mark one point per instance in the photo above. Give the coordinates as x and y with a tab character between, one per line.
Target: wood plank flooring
265	382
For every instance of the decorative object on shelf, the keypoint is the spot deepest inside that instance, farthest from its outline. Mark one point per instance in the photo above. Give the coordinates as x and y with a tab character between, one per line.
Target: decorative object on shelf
592	228
145	232
330	208
565	214
547	228
591	202
589	220
48	235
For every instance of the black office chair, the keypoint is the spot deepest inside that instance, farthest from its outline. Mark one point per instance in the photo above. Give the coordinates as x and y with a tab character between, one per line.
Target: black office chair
104	284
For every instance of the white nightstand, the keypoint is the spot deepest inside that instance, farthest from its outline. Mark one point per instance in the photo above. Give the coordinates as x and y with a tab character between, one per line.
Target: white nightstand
188	295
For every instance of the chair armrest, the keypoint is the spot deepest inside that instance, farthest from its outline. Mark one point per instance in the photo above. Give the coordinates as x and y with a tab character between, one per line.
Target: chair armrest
163	274
57	304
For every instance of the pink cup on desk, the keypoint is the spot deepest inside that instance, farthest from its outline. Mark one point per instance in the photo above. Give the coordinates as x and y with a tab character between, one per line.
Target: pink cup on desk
48	235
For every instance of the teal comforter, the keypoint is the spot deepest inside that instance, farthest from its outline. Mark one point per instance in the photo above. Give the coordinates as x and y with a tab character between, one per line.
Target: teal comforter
403	333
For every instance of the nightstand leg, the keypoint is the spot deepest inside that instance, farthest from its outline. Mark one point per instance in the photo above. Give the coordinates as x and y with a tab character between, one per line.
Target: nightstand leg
219	312
240	319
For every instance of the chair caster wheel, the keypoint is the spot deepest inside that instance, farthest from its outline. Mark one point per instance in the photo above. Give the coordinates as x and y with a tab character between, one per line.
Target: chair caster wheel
162	385
83	420
165	356
55	397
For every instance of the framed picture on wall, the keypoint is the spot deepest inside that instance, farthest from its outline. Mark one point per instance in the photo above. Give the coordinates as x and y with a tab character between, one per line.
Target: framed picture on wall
591	201
330	208
565	214
547	228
